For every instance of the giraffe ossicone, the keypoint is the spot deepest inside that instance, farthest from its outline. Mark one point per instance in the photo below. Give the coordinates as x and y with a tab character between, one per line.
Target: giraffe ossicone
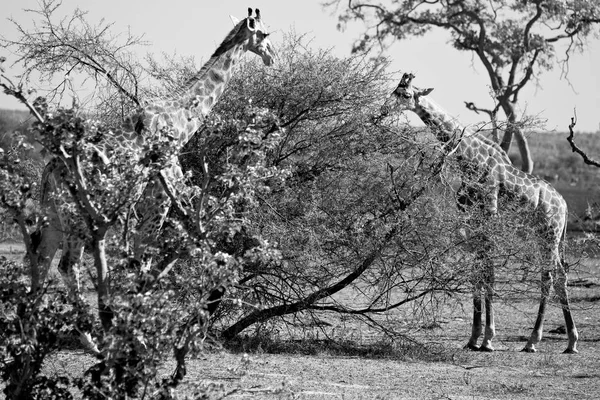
497	176
180	116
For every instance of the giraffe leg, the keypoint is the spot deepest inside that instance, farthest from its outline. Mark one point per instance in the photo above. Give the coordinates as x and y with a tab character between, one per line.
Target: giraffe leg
49	242
69	266
151	212
476	328
536	335
483	277
51	237
560	286
490	326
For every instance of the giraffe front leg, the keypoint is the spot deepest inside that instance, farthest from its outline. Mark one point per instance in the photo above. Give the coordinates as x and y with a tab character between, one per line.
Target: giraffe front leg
536	335
151	212
560	286
476	328
490	326
46	243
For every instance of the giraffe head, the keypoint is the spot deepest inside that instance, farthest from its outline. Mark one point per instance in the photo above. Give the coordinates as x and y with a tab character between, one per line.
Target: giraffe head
252	34
405	96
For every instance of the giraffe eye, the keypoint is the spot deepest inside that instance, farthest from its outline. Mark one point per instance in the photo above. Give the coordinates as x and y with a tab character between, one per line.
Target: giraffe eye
406	95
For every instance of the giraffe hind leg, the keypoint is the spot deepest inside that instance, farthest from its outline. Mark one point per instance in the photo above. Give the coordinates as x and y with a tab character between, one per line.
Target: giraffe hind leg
536	334
560	287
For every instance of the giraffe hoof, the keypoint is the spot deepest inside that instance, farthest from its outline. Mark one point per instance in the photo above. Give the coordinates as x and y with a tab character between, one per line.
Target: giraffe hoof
570	351
486	349
528	350
472	347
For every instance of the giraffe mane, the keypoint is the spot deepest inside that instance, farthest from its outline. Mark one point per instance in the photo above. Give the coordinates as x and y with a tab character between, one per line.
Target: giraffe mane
226	43
223	48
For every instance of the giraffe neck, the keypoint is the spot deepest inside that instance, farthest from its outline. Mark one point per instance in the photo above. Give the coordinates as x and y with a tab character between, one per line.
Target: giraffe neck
206	87
445	127
184	112
442	124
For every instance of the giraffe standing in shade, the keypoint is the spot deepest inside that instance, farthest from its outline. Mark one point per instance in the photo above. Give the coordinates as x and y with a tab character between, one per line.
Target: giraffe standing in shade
497	176
180	116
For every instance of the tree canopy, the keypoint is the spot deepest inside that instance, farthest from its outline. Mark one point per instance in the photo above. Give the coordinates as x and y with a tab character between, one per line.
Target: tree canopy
515	40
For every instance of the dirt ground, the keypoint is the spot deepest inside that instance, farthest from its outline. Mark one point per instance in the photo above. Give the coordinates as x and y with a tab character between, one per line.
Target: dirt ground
456	374
505	374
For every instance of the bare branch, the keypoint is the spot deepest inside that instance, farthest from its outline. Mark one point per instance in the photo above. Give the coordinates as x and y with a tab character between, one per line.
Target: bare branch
492	114
11	90
575	148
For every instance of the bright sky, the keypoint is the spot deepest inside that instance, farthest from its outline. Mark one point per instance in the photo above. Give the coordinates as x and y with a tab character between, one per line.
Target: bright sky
196	27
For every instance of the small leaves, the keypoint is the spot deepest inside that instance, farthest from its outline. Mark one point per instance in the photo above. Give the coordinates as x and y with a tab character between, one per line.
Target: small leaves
28	334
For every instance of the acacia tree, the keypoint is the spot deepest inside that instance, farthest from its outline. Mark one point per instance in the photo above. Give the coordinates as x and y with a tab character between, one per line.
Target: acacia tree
345	217
515	40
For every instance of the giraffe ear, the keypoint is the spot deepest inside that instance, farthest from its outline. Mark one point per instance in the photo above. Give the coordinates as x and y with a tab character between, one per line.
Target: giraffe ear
234	20
425	92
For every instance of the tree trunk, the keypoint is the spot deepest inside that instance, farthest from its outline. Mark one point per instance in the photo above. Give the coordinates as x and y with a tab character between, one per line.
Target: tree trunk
513	131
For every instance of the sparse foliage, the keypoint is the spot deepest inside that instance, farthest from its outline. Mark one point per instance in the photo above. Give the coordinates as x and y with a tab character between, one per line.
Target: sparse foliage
29	332
68	54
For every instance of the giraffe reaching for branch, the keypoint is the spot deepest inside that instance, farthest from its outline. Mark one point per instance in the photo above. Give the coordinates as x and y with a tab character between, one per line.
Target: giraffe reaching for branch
479	155
181	115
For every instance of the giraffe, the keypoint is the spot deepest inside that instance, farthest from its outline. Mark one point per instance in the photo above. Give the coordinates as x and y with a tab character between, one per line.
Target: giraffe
498	178
181	115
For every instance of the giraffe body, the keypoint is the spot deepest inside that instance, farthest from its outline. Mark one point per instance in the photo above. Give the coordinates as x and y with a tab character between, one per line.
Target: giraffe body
180	115
486	163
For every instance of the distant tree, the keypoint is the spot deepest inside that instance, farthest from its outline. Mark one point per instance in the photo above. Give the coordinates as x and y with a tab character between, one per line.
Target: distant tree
514	40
